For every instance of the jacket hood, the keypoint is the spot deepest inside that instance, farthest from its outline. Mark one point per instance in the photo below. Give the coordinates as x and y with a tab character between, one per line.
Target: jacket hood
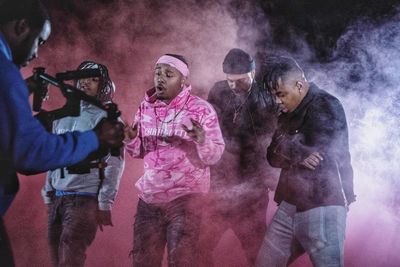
151	98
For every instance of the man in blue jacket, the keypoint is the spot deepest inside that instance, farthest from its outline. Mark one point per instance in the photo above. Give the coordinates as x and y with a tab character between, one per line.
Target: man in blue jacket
25	146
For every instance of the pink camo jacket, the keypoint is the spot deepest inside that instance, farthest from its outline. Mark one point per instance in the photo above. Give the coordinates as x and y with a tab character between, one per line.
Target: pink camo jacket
174	165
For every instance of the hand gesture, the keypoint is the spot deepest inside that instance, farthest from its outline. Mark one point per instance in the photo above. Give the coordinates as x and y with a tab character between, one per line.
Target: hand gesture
196	133
130	131
312	161
104	218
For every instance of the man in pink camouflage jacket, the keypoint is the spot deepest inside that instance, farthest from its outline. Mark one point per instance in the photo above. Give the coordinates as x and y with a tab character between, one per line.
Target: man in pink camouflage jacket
178	136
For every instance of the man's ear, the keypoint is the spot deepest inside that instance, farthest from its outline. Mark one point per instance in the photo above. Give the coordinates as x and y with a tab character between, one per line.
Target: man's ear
21	28
183	80
299	85
253	74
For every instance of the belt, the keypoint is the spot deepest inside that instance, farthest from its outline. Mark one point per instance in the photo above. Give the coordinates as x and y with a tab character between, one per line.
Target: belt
60	193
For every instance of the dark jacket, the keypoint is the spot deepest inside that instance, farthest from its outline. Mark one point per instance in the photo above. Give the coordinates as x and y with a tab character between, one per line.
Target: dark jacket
318	124
246	137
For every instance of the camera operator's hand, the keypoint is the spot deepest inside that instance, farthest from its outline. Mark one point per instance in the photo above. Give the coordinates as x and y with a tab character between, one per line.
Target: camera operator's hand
41	87
110	133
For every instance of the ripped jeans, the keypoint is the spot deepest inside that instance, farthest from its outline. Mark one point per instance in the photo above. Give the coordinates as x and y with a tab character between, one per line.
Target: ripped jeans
175	224
320	232
72	228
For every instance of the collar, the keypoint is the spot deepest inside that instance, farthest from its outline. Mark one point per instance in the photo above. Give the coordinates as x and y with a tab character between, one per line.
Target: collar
5	48
307	99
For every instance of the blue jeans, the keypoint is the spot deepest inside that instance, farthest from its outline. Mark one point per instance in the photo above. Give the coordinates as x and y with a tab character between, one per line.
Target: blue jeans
320	232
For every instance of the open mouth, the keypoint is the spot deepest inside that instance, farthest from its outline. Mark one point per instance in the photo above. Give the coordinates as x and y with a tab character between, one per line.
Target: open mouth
160	89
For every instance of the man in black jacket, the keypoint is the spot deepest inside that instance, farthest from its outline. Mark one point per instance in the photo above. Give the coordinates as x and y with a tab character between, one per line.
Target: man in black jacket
241	180
315	187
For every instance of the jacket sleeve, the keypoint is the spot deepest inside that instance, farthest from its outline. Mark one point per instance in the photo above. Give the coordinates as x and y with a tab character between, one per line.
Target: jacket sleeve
134	147
331	139
210	151
214	100
334	141
343	160
113	173
286	150
276	159
24	140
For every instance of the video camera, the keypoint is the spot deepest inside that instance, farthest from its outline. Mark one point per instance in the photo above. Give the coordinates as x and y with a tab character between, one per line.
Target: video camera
38	84
72	94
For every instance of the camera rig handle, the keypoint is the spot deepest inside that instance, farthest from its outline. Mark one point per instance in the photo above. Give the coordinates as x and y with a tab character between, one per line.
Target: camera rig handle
71	93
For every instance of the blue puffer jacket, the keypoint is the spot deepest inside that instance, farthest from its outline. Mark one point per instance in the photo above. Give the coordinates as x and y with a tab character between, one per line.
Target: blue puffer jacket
25	146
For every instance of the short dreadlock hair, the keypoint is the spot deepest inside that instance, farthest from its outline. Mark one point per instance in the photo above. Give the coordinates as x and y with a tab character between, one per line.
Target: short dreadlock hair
275	68
106	85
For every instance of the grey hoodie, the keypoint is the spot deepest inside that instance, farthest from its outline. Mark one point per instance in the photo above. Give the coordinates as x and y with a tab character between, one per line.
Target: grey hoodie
88	183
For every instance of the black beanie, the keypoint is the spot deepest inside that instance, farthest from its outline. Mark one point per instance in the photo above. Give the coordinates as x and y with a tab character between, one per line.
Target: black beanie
238	62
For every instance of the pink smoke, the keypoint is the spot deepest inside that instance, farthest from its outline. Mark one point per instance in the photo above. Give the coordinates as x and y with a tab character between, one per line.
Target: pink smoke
128	37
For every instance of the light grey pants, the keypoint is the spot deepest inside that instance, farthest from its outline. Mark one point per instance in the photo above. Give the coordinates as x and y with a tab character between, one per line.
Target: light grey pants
320	232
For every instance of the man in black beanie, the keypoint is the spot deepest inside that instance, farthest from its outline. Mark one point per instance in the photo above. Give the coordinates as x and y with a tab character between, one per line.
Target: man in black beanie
241	180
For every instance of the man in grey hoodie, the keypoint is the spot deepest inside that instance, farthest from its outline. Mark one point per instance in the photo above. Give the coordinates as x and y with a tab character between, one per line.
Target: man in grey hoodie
80	196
